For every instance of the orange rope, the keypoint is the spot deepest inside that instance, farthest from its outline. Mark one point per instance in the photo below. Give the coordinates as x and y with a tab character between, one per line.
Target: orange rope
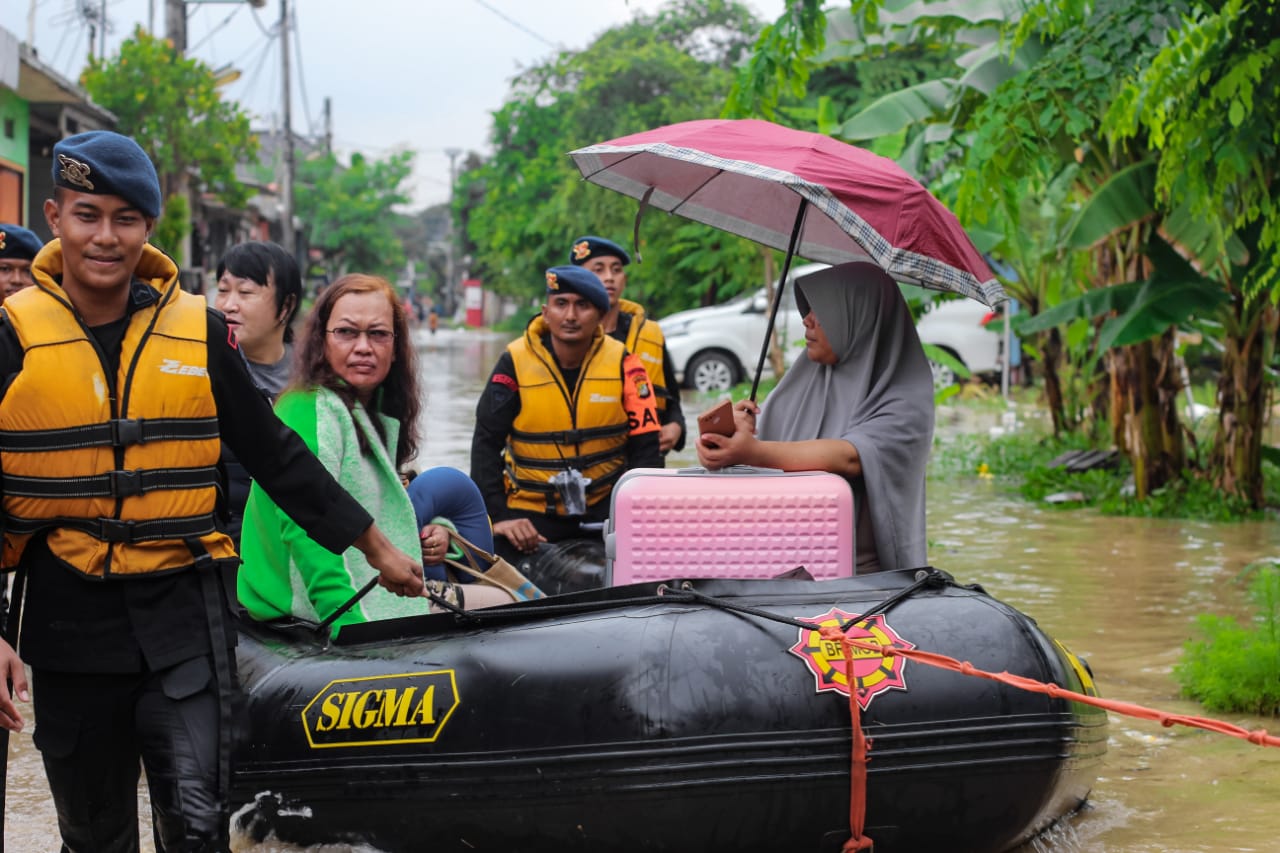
1259	737
858	771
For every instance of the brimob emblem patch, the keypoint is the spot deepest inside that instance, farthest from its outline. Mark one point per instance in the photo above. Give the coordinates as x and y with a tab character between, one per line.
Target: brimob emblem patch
553	283
873	673
74	172
581	249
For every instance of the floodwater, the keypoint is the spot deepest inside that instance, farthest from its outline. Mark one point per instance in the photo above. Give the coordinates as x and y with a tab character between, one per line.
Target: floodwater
1121	593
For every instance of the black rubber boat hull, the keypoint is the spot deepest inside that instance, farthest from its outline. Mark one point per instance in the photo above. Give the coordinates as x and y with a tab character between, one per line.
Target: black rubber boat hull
614	720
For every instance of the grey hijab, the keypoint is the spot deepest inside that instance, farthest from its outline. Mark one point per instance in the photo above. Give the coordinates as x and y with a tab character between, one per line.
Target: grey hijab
878	397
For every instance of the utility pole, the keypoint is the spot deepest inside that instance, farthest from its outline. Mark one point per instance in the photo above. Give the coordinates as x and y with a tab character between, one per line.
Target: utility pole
178	184
175	24
451	287
102	32
328	125
286	186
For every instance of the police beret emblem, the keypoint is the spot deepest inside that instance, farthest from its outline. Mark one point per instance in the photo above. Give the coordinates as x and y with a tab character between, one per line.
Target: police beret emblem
552	282
1	241
581	249
74	172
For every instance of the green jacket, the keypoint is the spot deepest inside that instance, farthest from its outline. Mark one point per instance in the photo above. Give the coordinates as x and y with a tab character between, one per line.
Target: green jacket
285	573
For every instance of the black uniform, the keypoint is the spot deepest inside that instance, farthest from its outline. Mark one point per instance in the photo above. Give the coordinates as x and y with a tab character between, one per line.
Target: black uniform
129	668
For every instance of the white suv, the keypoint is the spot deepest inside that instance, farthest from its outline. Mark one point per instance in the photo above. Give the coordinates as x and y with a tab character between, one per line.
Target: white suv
714	348
717	347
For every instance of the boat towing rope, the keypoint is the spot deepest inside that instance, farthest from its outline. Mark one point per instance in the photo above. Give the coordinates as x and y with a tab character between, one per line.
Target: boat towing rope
862	744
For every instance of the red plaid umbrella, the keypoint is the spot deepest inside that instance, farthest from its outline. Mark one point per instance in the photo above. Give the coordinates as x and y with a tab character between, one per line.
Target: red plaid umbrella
804	193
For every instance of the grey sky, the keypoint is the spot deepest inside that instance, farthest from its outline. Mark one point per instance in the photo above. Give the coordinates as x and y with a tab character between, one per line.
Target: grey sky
420	74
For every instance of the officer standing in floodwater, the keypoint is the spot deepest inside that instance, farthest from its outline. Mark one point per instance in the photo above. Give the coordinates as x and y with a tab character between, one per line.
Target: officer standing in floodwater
108	497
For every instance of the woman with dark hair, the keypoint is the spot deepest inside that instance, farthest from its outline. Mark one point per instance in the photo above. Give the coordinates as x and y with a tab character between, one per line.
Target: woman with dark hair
355	402
259	291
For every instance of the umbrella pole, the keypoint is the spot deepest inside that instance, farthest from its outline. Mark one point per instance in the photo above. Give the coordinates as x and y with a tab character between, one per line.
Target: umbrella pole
777	296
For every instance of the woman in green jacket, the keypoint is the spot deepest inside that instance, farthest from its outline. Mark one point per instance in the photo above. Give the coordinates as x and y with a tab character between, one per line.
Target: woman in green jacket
355	402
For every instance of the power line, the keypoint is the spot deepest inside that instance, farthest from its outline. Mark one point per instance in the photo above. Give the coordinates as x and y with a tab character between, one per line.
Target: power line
302	79
214	31
258	21
252	79
519	26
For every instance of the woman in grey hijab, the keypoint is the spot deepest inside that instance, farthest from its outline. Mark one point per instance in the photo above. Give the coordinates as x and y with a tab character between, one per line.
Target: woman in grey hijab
858	402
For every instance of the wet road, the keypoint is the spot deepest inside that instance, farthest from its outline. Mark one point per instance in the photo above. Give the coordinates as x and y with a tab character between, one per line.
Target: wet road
1122	593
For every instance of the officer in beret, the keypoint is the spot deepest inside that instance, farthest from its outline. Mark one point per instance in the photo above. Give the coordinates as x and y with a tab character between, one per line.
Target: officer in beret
109	498
18	248
626	321
566	411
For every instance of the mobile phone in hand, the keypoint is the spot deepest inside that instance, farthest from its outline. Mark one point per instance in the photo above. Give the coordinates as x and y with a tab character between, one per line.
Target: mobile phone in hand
718	419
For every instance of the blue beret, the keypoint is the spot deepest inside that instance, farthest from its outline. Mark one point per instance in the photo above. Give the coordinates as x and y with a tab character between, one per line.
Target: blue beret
105	163
586	248
585	283
17	242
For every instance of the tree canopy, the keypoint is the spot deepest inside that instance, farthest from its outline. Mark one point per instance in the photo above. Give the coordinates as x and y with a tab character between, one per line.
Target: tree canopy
172	106
350	210
670	66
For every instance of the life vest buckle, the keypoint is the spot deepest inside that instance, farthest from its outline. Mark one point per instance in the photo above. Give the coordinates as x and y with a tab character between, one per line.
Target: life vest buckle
126	431
115	530
125	484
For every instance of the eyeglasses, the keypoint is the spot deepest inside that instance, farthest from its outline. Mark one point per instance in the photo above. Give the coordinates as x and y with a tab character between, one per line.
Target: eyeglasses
350	334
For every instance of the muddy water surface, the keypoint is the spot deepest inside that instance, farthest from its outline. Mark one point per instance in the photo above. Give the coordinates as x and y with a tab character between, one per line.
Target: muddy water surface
1122	593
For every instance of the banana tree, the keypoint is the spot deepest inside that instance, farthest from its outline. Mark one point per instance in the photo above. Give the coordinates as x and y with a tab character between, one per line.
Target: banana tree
1210	103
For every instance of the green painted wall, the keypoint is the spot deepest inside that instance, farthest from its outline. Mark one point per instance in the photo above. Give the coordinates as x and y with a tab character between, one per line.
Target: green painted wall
14	149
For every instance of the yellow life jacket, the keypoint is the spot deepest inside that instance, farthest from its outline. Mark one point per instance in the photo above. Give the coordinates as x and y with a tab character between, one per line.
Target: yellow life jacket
120	470
558	428
646	341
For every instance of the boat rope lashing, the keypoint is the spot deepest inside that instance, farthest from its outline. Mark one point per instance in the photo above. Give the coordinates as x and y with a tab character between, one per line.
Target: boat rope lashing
858	756
1259	737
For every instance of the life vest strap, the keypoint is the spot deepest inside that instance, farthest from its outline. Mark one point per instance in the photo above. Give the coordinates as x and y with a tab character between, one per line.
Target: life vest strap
570	436
117	432
118	529
113	484
581	462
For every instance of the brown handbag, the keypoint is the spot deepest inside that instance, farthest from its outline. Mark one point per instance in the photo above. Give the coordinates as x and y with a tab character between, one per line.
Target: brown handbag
497	573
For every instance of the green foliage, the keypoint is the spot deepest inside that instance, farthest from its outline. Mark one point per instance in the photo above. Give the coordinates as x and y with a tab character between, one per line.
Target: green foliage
780	61
349	211
527	202
172	106
1050	115
173	225
1220	70
1008	458
1232	667
1019	462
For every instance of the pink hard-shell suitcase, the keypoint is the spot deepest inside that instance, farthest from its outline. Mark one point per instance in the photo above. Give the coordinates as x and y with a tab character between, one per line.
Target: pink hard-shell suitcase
739	522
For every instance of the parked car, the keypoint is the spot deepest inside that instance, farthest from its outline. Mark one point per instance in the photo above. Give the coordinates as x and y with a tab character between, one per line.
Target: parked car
959	327
714	348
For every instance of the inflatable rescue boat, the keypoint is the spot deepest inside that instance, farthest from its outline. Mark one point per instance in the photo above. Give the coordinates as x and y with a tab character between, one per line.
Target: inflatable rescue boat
702	715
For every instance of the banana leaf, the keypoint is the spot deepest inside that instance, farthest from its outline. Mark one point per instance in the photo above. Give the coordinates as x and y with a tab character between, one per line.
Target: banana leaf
1143	309
897	110
1127	197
